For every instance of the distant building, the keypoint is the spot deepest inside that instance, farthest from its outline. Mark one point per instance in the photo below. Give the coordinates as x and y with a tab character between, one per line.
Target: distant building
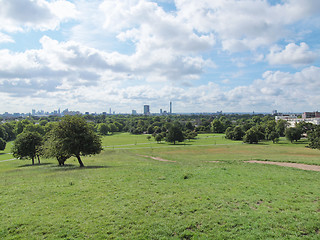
134	112
170	107
146	109
308	117
311	115
160	110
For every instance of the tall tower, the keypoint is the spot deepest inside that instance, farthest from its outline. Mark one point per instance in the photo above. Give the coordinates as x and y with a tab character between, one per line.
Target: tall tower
170	107
146	109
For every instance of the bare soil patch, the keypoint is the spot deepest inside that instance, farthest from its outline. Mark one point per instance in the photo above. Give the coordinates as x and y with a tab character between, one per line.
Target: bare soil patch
156	158
293	165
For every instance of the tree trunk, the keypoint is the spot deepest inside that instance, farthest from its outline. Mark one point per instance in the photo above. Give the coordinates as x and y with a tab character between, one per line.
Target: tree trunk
38	159
32	160
79	160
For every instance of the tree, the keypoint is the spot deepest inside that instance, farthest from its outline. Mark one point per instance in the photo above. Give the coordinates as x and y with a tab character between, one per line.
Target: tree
314	138
189	126
281	127
251	136
273	136
175	134
238	133
3	133
3	144
27	144
103	129
158	138
53	148
217	126
74	137
113	128
148	137
293	134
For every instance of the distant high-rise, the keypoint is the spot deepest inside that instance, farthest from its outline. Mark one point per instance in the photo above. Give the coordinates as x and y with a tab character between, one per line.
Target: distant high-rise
110	111
160	110
134	112
170	107
146	109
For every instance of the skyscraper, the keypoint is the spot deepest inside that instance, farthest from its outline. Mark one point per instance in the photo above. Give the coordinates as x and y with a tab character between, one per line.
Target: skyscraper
146	109
170	107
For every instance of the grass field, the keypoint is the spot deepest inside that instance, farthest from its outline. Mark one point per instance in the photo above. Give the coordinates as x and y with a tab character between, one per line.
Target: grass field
122	195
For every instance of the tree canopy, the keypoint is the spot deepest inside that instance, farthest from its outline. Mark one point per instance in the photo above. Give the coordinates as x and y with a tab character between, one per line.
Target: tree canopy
27	144
175	134
73	136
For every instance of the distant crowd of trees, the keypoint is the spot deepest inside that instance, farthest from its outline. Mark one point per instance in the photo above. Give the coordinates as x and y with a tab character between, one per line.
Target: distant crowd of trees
63	137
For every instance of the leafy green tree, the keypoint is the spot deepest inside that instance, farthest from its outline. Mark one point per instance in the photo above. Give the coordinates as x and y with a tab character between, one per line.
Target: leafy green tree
150	130
229	133
175	134
148	137
3	133
43	123
281	127
293	134
273	136
314	138
34	128
103	129
251	136
190	134
53	148
158	138
3	144
217	126
238	133
270	126
305	127
9	128
113	128
76	138
27	144
189	126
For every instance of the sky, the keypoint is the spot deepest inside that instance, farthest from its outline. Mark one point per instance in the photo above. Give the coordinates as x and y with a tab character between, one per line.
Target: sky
203	55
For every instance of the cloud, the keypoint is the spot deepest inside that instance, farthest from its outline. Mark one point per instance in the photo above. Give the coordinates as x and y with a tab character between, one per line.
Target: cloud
20	15
292	54
245	25
62	66
4	38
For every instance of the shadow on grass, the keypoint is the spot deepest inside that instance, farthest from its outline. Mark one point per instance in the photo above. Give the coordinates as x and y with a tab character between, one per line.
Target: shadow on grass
35	165
68	167
180	144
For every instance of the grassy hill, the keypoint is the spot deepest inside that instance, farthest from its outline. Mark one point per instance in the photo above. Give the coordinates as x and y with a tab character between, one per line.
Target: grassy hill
121	194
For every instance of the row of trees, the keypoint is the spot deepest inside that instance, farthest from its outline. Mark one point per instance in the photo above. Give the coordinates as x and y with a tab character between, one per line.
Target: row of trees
78	136
72	136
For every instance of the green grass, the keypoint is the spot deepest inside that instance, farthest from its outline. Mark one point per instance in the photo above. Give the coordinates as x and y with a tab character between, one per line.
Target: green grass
121	195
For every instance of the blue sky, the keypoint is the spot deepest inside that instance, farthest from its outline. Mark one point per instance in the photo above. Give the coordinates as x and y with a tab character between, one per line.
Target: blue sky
204	55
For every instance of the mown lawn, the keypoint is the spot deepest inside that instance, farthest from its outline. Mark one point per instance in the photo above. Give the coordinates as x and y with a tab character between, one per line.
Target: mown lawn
121	195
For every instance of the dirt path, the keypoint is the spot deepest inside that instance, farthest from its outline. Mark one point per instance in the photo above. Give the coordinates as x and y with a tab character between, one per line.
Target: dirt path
293	165
156	158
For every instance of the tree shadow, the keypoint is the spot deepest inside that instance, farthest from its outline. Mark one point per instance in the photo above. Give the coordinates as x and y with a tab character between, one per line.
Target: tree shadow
35	165
180	144
70	167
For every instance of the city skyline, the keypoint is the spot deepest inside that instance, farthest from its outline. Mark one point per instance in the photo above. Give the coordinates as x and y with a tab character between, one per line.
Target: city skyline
205	56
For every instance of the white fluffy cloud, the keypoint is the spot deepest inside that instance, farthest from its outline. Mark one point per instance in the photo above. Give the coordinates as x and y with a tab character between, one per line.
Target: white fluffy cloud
292	54
19	15
4	38
130	52
245	25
